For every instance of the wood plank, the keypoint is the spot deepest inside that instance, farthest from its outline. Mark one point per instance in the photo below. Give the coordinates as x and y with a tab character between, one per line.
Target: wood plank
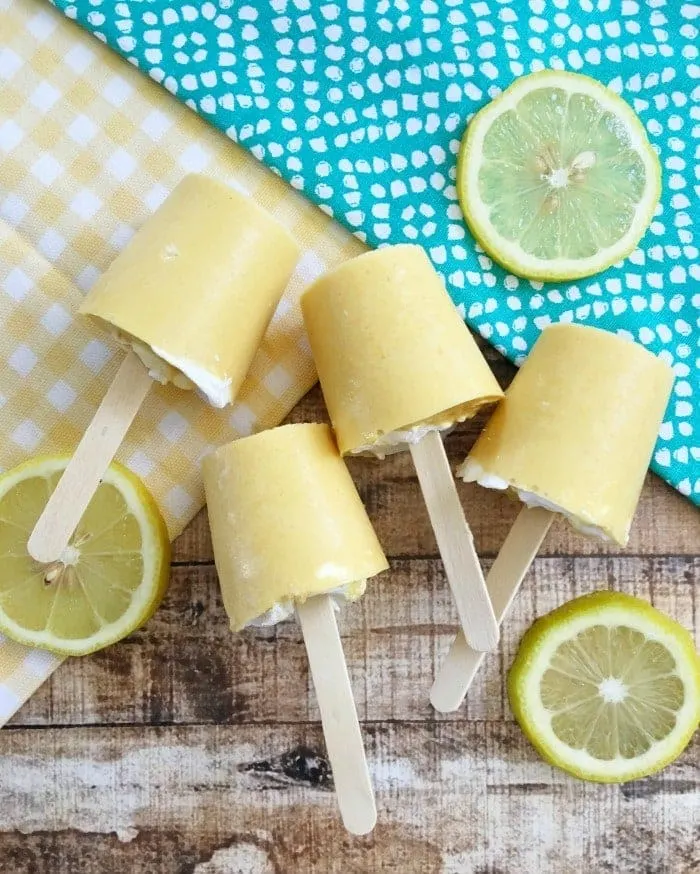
211	757
452	798
187	667
666	522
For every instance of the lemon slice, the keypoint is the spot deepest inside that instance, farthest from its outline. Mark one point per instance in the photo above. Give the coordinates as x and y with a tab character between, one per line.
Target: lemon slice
556	177
607	688
111	577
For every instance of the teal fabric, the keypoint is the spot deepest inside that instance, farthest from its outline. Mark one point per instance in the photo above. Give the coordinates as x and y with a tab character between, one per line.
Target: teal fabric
361	105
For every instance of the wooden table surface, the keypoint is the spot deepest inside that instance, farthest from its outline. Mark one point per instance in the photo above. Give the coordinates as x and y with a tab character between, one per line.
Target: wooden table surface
186	749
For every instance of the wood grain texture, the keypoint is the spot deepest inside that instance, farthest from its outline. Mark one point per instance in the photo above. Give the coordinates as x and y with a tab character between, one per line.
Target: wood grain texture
187	667
189	750
452	798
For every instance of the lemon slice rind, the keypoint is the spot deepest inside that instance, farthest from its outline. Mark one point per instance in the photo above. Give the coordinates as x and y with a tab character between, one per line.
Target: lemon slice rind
508	252
535	655
155	554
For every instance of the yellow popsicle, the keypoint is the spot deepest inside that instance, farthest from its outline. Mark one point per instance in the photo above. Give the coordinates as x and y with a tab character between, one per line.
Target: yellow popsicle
287	523
576	430
196	287
393	355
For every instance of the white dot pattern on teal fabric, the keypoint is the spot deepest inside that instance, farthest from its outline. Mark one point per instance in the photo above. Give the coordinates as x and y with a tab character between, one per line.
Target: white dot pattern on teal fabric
361	105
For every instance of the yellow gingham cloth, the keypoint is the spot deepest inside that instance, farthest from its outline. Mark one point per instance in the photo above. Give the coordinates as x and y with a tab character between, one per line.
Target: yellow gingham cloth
88	149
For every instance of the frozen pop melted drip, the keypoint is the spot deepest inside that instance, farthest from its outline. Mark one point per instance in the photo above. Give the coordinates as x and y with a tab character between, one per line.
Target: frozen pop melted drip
398	441
216	390
284	610
471	472
277	613
158	369
181	372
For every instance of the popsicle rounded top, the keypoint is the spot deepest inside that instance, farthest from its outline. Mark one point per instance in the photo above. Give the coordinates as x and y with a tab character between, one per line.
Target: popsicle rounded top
194	290
286	522
392	353
576	430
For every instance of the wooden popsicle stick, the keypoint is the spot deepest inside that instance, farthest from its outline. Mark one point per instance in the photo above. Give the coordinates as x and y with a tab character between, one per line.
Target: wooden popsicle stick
341	727
507	573
97	448
455	542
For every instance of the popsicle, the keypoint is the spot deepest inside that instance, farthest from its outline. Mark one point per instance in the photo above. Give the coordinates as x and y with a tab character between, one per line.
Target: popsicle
290	533
190	297
573	437
398	367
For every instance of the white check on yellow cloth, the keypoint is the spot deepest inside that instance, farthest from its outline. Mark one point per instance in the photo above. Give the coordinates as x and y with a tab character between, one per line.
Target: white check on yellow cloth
88	149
